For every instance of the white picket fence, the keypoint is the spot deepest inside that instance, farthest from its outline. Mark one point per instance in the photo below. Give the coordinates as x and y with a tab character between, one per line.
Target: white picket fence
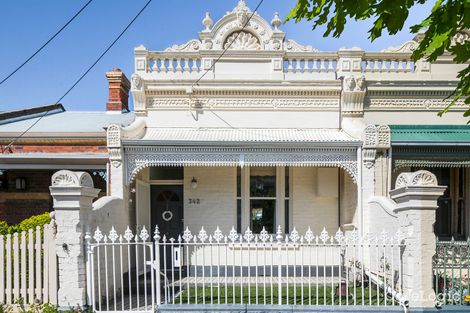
28	267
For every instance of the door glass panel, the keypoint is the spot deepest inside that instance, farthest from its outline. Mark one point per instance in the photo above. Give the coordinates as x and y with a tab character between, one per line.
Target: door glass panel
262	215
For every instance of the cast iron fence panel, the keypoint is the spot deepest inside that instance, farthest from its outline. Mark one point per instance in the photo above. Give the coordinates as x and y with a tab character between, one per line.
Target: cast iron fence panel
130	272
451	268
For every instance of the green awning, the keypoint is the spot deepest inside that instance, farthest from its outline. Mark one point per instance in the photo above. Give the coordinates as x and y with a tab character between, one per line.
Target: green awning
430	145
430	134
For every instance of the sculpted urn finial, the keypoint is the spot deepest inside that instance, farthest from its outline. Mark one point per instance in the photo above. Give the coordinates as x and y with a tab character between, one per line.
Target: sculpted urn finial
207	21
276	21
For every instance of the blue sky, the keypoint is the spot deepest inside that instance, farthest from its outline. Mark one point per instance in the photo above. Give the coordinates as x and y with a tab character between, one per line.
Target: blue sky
27	24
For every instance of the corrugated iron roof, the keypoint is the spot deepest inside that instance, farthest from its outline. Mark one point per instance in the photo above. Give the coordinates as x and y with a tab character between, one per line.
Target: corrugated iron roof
75	123
246	135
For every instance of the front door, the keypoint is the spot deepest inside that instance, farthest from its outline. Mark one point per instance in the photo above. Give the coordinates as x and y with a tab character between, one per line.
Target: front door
167	209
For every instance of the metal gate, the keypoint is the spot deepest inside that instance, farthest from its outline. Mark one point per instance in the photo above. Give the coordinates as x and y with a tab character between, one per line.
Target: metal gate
132	273
121	271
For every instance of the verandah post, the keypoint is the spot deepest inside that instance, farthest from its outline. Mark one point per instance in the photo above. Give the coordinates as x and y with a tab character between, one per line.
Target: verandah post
73	195
416	196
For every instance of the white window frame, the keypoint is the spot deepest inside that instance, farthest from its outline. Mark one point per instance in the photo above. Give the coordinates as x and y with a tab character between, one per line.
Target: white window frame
280	198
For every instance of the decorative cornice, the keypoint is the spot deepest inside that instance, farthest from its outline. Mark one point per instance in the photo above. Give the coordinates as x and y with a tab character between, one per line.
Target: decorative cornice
333	92
241	103
413	104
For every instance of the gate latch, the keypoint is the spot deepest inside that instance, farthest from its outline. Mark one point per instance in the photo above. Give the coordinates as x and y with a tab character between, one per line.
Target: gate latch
153	264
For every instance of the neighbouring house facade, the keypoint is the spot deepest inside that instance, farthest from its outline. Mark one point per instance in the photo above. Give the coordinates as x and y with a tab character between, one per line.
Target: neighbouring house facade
60	140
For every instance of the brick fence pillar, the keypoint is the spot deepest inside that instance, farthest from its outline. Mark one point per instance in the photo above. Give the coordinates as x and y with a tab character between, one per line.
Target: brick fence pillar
73	195
416	196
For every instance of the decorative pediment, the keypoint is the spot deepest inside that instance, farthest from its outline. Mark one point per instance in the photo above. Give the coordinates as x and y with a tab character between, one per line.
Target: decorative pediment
241	29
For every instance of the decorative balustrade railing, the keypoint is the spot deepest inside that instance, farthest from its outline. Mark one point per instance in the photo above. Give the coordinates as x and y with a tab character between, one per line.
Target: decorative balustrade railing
188	64
133	273
451	267
387	63
294	65
310	64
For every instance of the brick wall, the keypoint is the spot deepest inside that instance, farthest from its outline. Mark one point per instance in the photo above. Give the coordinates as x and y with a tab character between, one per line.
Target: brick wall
16	205
58	149
315	198
216	191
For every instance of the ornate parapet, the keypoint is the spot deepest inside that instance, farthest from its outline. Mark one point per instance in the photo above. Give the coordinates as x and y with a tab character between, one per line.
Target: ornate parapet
374	138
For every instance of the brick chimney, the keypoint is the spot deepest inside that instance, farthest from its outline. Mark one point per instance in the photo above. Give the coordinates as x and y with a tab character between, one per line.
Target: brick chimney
119	87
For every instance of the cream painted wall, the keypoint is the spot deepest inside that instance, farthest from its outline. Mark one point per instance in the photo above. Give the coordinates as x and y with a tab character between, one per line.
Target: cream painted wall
243	119
216	191
413	117
314	205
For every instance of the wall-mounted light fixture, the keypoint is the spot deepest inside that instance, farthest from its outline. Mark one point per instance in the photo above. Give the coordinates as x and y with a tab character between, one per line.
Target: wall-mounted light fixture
20	183
194	183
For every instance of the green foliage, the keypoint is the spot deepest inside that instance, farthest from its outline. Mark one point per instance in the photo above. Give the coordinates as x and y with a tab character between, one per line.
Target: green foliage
25	225
34	221
446	19
20	307
4	229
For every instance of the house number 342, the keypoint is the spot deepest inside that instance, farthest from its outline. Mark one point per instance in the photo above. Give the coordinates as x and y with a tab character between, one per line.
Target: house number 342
194	201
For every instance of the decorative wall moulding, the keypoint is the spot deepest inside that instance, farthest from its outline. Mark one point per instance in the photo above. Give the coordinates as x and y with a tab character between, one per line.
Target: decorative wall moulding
322	91
417	104
242	103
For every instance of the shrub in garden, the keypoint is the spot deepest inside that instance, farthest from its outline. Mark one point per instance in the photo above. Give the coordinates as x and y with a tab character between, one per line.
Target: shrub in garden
25	225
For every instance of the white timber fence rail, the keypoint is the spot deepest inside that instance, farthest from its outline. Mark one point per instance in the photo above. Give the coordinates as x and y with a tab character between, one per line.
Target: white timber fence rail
134	272
28	266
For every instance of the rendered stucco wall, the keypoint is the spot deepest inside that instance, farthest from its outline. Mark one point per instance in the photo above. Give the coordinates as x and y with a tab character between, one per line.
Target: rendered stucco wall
216	191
